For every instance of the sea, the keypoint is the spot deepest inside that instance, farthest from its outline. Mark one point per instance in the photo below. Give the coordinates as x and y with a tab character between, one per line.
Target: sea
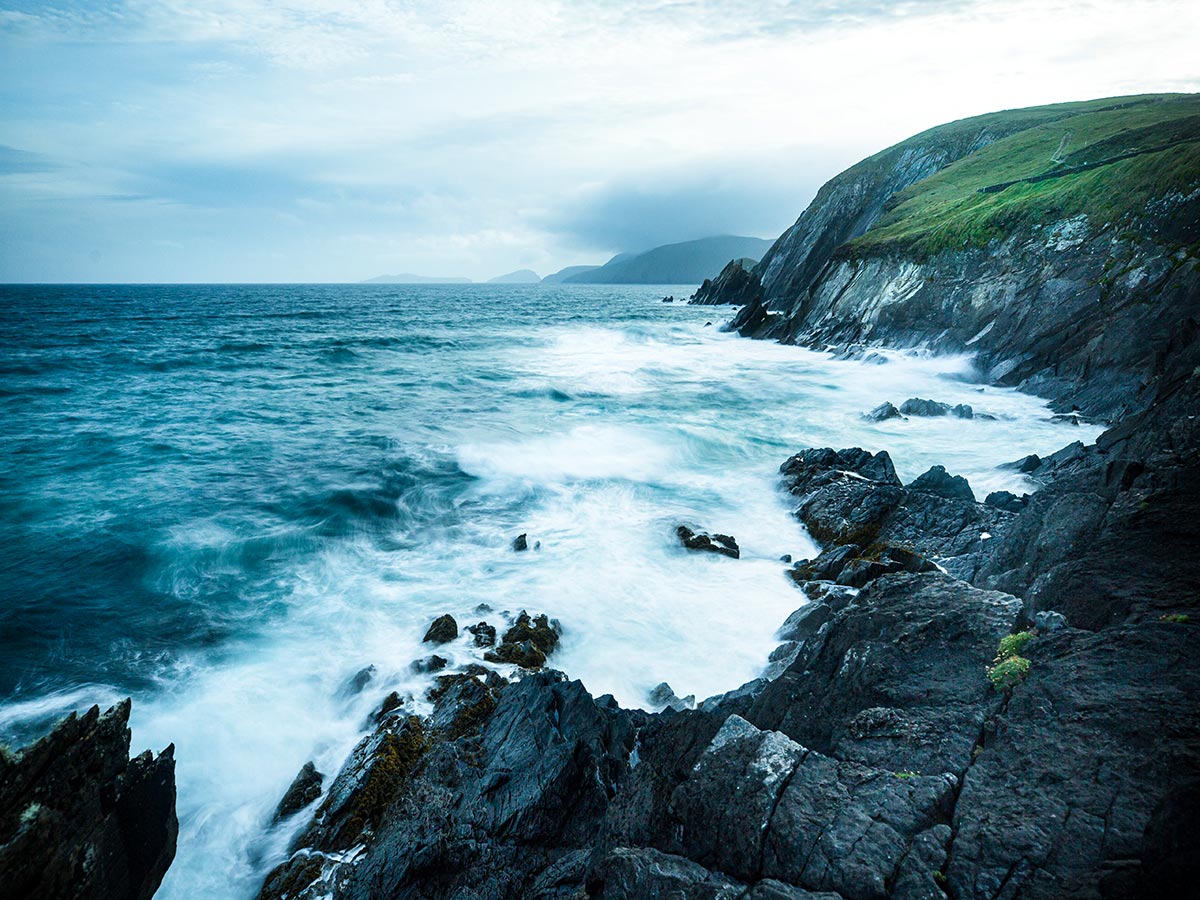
226	500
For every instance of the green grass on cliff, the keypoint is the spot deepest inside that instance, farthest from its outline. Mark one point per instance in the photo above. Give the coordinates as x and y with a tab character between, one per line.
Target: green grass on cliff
1107	159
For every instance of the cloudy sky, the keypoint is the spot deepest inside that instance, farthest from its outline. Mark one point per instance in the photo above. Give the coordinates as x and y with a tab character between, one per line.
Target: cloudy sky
332	140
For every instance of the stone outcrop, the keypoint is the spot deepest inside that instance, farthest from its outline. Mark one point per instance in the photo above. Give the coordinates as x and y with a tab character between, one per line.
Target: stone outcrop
80	819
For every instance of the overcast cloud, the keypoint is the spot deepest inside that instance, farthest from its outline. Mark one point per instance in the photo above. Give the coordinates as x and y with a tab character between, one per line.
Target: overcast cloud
218	140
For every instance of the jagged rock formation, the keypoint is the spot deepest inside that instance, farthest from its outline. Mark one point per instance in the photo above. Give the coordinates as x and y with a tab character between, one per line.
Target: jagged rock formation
80	819
1043	277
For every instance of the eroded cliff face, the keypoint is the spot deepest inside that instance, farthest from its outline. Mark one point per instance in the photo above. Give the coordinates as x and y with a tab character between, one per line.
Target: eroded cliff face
1051	310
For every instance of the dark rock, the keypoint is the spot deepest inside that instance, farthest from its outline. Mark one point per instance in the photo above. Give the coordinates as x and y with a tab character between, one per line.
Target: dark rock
520	542
1060	800
305	788
391	703
882	413
917	407
734	285
1025	465
827	566
1007	501
432	663
964	411
939	482
913	700
723	544
358	681
662	697
1050	621
80	819
835	596
643	874
859	572
804	622
443	630
527	643
485	634
786	558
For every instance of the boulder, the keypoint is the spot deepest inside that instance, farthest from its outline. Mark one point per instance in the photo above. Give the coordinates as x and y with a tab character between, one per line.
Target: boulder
520	542
443	630
939	482
527	643
662	697
1007	501
918	407
882	413
359	680
432	663
723	544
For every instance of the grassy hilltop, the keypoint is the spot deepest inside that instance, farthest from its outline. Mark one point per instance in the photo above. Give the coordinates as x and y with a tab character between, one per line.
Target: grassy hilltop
1104	158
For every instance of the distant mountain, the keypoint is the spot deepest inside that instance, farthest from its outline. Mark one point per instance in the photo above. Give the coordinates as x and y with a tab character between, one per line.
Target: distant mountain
563	274
409	278
521	276
689	262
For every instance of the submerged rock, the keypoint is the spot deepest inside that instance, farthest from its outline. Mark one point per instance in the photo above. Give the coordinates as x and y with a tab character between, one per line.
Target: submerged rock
432	663
520	542
723	544
527	643
485	634
80	819
355	684
443	630
882	413
305	788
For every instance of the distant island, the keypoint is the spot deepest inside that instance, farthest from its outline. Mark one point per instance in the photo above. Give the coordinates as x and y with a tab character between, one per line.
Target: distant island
687	262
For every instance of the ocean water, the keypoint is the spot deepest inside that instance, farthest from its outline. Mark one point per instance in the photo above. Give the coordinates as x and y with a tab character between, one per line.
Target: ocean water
227	500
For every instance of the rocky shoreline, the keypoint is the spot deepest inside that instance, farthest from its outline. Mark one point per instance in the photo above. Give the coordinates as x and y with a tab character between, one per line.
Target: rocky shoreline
881	755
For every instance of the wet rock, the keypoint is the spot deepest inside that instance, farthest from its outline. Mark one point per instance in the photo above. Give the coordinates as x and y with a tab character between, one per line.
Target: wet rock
485	634
358	681
940	483
432	663
964	411
643	874
520	542
723	544
662	697
882	413
80	819
443	630
527	643
1049	621
804	622
786	558
1007	501
1024	465
836	596
735	285
305	788
827	566
390	704
918	407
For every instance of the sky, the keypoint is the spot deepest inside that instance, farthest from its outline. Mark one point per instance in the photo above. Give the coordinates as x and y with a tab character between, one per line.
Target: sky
331	140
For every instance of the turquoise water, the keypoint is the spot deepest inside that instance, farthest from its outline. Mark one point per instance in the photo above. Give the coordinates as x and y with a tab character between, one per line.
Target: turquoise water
226	500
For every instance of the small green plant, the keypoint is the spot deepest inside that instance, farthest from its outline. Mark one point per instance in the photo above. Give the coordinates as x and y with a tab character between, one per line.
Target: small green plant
1008	673
1011	645
940	878
907	775
1176	618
